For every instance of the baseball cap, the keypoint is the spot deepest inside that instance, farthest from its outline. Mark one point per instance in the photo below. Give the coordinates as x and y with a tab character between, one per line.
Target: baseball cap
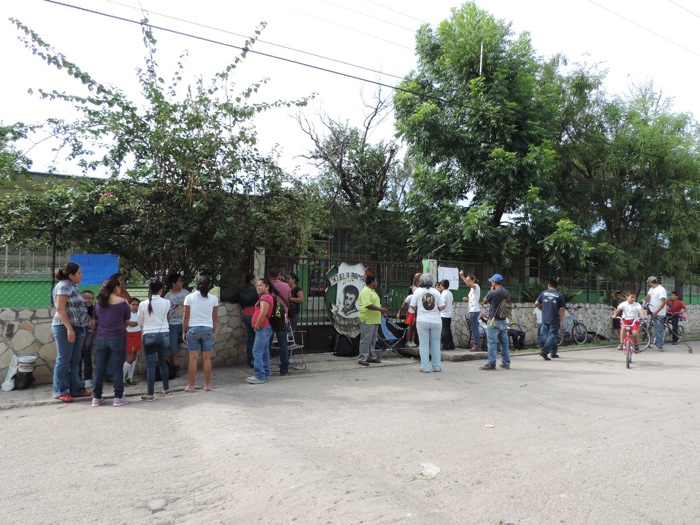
497	278
652	279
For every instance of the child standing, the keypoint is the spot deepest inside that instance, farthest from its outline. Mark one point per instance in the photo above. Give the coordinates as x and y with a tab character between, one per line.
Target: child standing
133	343
410	320
632	313
86	357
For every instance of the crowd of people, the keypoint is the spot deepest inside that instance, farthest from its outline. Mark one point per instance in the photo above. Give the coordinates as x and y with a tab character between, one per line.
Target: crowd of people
122	326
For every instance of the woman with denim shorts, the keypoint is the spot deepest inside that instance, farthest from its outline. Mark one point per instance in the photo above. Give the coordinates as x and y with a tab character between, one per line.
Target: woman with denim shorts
111	313
153	319
198	329
69	326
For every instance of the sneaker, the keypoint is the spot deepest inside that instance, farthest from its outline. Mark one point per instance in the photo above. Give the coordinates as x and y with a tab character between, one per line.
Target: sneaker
130	382
66	398
84	393
166	393
636	349
97	401
474	349
410	344
660	348
554	356
363	363
544	356
189	389
674	343
619	347
146	397
507	367
207	388
375	361
88	384
120	401
254	380
488	366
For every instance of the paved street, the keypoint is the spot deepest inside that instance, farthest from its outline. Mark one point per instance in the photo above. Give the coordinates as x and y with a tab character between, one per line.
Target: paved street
578	440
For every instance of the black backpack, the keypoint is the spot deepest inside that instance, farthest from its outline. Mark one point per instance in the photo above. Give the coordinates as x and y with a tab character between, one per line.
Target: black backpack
277	315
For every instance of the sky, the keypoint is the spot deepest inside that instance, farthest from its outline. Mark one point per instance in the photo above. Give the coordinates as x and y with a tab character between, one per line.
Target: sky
634	40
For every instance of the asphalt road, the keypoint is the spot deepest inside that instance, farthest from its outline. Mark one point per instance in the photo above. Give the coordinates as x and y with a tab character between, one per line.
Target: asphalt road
578	440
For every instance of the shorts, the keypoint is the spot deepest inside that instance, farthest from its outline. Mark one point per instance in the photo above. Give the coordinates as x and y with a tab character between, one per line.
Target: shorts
200	338
410	319
633	323
133	342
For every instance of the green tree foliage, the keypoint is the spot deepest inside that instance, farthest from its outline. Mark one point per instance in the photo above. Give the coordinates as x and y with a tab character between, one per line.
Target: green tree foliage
12	161
188	190
364	184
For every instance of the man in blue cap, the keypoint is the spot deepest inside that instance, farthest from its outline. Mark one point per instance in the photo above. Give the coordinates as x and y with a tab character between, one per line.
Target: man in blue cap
497	332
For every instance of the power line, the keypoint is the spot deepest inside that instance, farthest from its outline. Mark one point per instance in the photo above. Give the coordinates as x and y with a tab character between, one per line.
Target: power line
205	26
370	16
248	50
684	8
397	12
646	29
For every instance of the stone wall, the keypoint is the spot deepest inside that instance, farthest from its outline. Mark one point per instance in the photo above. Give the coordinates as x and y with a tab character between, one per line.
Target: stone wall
27	332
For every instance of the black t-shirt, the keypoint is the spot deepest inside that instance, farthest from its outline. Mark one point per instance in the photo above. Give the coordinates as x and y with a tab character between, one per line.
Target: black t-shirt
294	308
552	301
495	298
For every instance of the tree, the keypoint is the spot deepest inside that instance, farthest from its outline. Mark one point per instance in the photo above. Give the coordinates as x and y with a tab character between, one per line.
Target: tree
12	161
479	126
365	182
188	189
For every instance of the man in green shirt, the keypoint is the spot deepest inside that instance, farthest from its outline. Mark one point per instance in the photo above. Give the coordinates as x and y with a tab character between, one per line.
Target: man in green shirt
371	313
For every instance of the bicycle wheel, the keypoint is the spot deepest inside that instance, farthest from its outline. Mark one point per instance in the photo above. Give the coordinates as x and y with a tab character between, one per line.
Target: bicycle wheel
628	352
644	339
668	333
579	333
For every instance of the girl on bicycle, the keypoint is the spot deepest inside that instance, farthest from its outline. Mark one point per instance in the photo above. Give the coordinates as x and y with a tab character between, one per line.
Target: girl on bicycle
632	314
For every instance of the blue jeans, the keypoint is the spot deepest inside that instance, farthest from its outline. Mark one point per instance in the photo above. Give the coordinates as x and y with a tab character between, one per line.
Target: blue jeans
674	324
250	332
86	358
66	371
175	330
497	334
163	338
659	330
540	335
429	342
474	326
110	355
200	338
284	351
261	353
551	332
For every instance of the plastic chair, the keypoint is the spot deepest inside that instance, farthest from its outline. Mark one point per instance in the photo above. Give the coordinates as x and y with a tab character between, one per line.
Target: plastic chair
388	339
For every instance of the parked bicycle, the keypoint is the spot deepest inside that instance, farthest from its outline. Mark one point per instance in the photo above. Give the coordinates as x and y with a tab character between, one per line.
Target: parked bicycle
572	328
605	330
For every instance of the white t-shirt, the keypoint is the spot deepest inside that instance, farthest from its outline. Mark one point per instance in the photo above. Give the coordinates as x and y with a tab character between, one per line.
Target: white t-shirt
134	319
426	301
538	315
155	322
449	301
474	295
201	309
630	311
655	296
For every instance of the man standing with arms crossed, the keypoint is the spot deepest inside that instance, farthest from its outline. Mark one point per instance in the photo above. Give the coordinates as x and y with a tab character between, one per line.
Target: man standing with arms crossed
552	303
371	313
657	304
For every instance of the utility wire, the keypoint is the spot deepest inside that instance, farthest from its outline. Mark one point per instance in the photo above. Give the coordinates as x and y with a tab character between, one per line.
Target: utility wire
684	8
248	50
371	16
646	29
397	12
204	26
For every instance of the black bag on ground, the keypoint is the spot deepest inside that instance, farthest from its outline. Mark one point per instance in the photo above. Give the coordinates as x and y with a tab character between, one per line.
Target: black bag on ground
346	347
172	372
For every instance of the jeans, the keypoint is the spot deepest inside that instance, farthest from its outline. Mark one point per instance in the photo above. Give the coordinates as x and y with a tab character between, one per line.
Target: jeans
294	322
158	357
674	325
551	332
174	339
110	355
446	334
518	337
66	372
250	332
283	349
368	341
261	353
659	330
86	358
200	338
474	327
540	335
497	334
429	342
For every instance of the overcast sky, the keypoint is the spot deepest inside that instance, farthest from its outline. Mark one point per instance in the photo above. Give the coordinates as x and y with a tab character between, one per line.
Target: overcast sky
634	40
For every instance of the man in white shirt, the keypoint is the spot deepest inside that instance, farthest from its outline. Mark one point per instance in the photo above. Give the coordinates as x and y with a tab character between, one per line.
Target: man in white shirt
447	342
657	303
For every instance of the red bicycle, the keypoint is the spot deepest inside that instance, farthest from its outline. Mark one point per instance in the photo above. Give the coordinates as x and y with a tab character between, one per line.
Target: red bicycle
627	343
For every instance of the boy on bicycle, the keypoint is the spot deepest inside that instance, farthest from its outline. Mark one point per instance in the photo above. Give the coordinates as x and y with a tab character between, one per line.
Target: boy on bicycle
632	315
